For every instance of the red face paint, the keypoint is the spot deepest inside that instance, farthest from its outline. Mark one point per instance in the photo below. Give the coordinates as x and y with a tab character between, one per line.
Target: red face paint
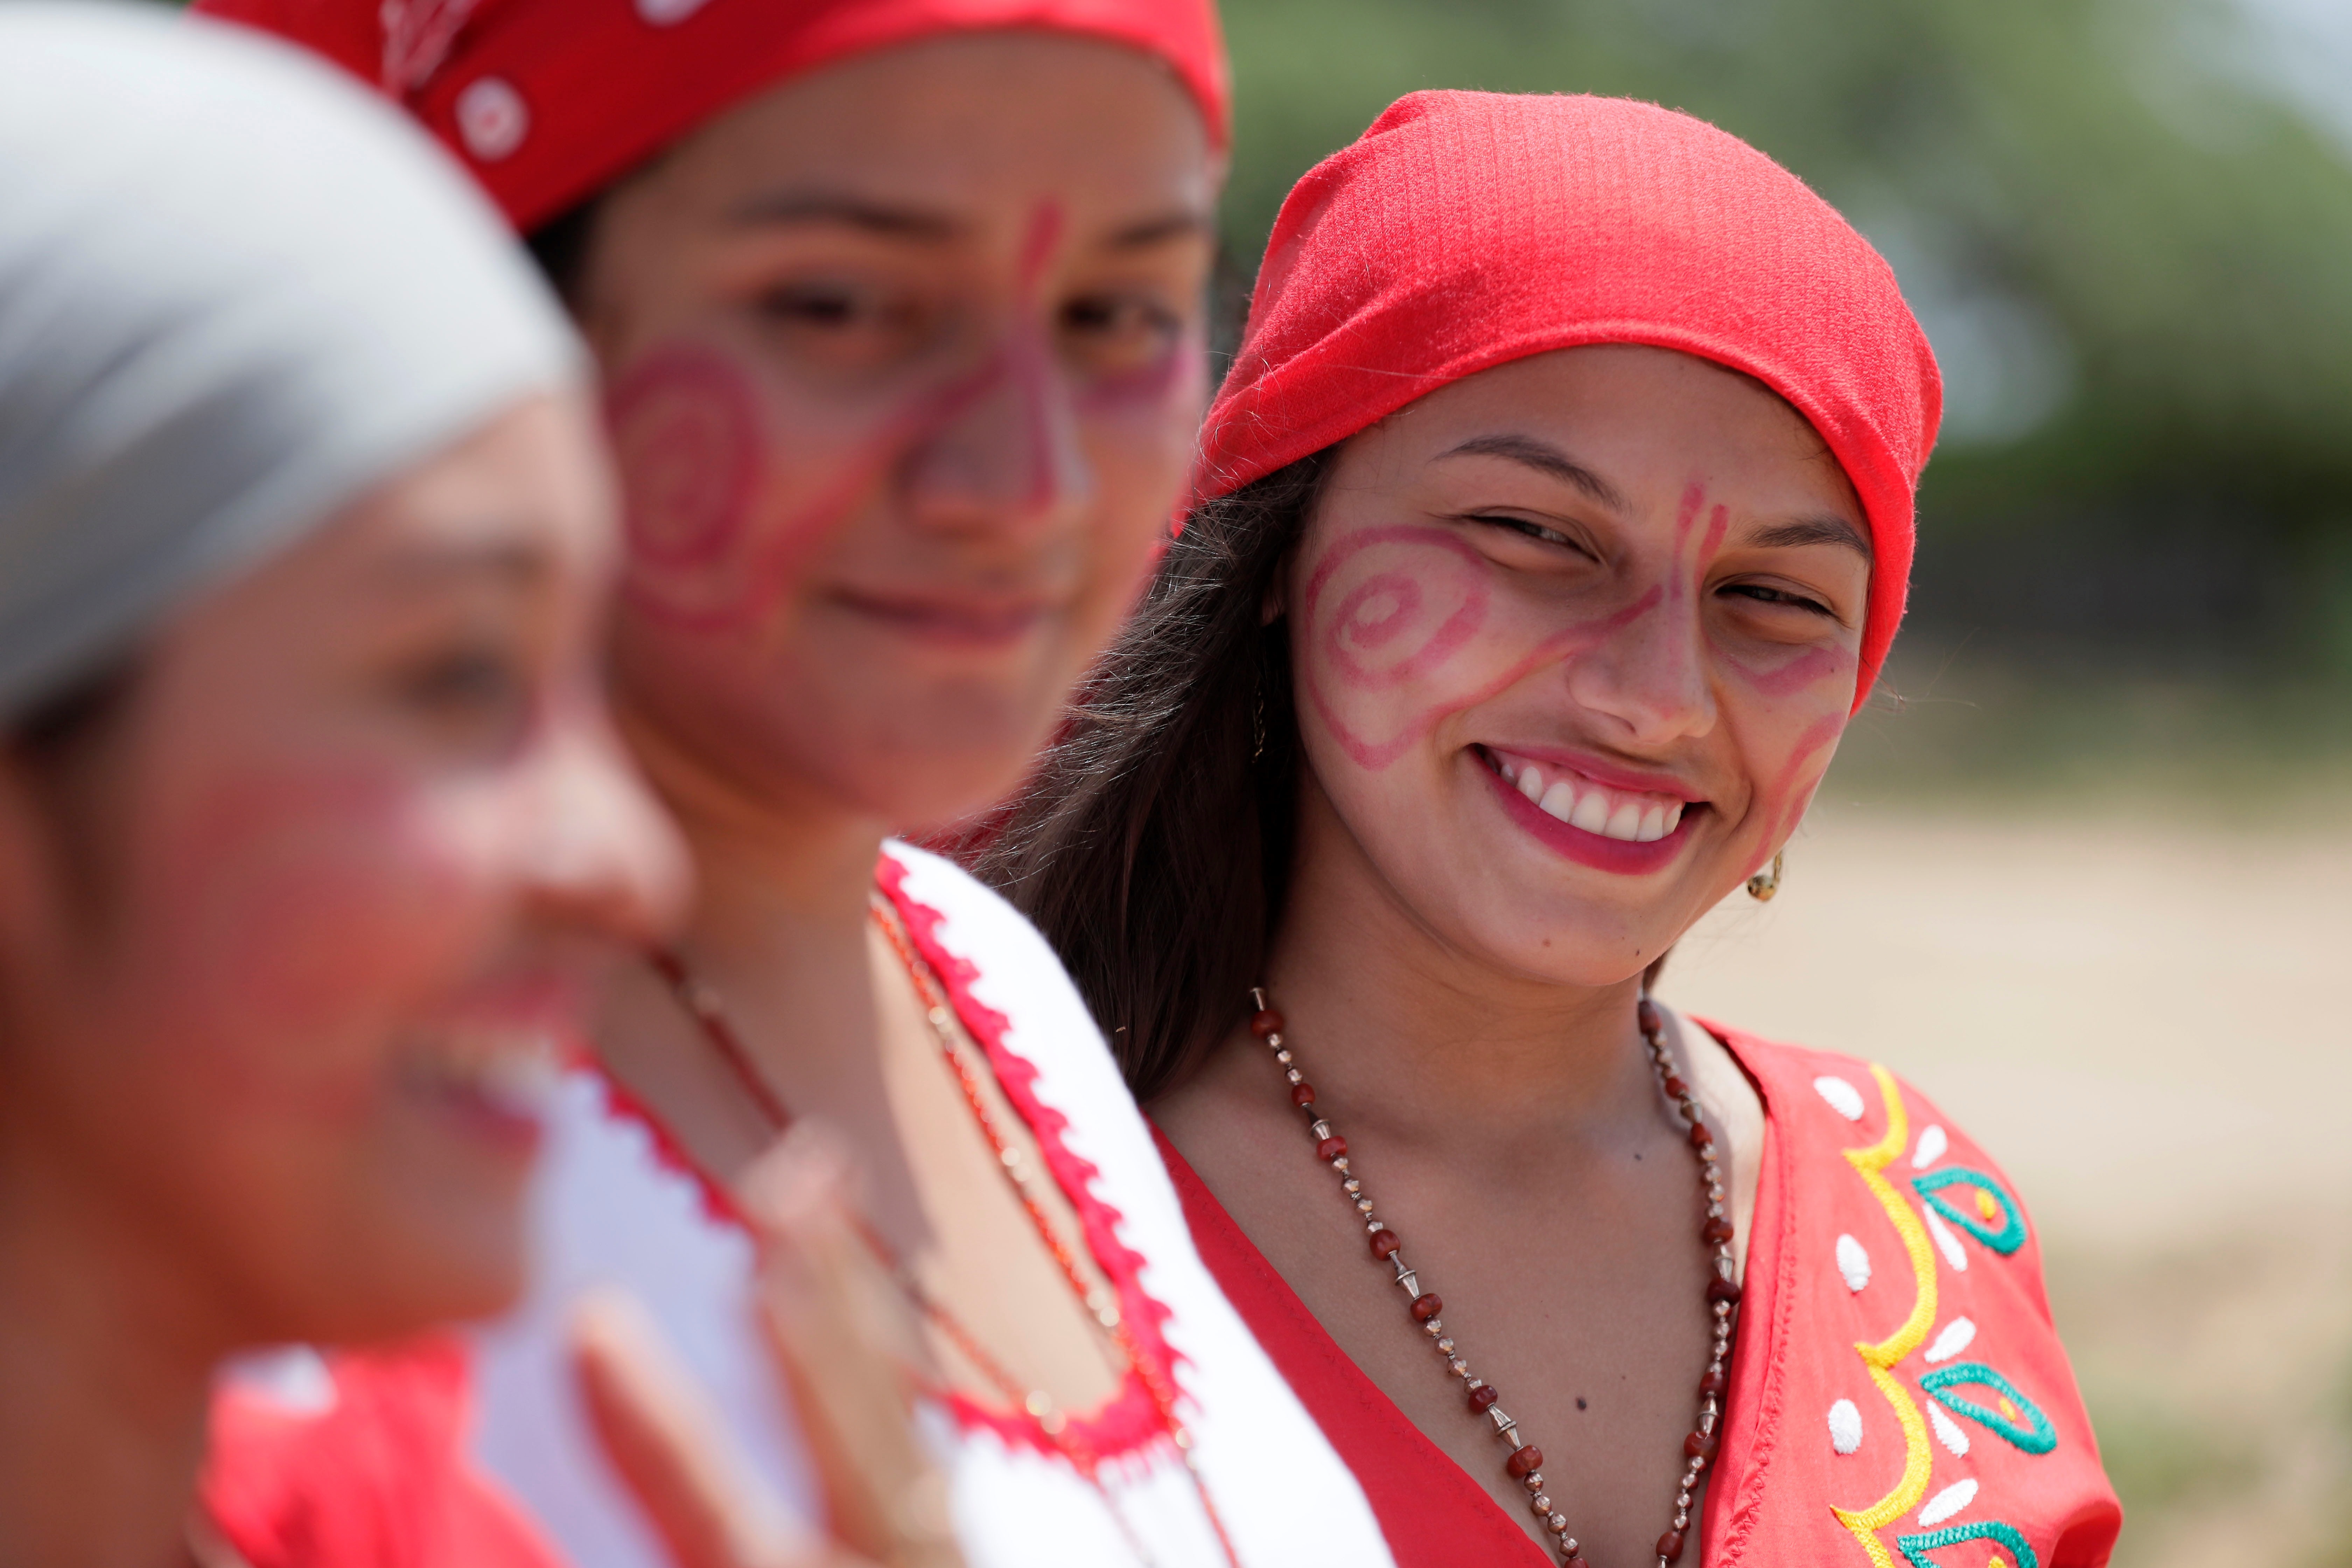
1412	603
1809	667
708	552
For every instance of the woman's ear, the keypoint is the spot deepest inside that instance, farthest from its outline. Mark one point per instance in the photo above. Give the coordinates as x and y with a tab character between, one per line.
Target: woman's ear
1277	591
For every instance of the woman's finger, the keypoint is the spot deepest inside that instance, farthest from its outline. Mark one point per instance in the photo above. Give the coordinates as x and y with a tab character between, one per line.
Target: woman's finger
671	1445
848	1346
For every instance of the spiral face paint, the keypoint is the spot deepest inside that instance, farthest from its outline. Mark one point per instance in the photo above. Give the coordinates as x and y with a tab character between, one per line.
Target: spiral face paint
686	432
1394	615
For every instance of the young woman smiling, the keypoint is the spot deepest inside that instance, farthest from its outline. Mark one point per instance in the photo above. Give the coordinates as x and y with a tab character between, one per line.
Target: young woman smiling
1555	518
314	834
899	303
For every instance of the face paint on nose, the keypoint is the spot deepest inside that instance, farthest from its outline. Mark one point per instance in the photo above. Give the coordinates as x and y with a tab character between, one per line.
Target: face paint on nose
1402	630
1683	580
1027	363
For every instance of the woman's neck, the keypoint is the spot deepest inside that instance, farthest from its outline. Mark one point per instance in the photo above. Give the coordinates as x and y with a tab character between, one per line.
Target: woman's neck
1426	1042
107	1356
780	930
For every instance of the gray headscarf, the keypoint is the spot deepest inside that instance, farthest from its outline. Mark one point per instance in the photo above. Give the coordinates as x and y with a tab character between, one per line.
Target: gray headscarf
236	292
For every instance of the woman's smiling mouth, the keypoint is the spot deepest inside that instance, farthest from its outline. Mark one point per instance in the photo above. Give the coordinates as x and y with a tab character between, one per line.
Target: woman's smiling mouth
1602	825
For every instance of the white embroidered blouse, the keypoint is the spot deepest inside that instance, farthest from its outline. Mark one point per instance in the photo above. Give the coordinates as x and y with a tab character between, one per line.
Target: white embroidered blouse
616	1206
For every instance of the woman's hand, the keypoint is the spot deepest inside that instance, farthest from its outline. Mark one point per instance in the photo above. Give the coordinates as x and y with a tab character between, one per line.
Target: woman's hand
845	1347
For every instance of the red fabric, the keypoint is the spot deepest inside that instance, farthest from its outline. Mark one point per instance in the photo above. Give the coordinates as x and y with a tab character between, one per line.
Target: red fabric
601	85
1777	1476
380	1479
1467	229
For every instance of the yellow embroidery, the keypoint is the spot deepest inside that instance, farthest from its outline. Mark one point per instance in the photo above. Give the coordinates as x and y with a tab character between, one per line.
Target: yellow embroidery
1880	1358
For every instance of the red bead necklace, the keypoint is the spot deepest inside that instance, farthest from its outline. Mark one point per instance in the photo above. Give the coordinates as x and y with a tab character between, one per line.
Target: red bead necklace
1523	1461
710	1013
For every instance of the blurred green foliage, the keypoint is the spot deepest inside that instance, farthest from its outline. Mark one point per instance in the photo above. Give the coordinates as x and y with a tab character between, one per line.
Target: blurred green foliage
2132	250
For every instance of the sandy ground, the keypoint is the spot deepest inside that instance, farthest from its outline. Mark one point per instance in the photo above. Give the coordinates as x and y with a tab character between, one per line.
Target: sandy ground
2139	1017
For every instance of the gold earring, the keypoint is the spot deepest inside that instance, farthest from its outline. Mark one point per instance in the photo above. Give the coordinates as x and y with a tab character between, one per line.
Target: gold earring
1764	884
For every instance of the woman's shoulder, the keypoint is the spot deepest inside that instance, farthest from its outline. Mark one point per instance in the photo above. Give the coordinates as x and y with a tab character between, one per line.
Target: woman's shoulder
1896	1338
1007	982
1814	1097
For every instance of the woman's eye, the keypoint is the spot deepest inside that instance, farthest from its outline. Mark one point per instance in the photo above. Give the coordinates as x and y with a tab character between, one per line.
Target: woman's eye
1117	332
1534	530
812	305
465	686
1764	593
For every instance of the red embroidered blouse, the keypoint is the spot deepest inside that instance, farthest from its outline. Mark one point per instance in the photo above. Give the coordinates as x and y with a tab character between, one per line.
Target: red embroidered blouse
1896	1389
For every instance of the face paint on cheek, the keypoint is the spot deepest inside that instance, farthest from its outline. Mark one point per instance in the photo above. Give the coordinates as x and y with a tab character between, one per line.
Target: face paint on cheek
685	423
1792	790
1807	669
303	919
1393	618
688	426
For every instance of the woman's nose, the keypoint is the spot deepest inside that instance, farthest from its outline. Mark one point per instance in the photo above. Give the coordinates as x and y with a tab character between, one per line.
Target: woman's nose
1649	674
1004	450
602	856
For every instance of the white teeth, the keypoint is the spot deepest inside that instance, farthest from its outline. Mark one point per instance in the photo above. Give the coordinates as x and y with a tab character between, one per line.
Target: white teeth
1592	812
1638	819
1628	818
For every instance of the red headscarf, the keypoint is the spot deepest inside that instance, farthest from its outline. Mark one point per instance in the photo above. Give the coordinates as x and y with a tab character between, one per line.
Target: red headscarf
549	100
1467	229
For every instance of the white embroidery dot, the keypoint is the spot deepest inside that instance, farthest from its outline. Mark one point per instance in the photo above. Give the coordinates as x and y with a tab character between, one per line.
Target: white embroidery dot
668	13
1931	1147
1947	1502
1842	1097
1947	1243
1957	1335
1947	1431
294	1379
492	119
1853	1262
1846	1427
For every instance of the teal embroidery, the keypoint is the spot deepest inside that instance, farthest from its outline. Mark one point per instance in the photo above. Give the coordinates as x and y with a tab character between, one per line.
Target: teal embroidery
2031	1430
1917	1547
2006	1239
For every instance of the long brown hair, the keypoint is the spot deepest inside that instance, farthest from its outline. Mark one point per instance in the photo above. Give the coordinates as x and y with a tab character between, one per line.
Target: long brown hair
1152	844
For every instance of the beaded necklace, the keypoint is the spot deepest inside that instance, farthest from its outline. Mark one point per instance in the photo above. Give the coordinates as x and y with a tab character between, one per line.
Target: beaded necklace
708	1011
1523	1461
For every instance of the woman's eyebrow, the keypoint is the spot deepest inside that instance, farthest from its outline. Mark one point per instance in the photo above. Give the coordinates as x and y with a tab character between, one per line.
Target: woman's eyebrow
1812	530
790	207
1545	459
1146	233
519	565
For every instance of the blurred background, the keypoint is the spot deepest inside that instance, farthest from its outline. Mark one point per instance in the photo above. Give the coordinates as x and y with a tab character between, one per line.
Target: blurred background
2083	869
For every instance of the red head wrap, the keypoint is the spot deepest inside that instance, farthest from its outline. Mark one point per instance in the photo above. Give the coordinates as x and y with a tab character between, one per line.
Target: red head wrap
549	100
1467	229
